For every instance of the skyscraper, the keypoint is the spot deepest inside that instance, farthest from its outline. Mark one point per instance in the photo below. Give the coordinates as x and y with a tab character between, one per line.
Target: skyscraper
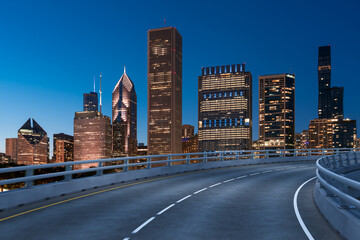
32	144
330	103
332	133
124	117
277	111
63	148
225	108
164	91
92	136
11	146
90	102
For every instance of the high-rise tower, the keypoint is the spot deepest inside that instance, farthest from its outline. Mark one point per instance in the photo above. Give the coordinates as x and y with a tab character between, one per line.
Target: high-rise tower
164	91
277	111
330	103
124	117
32	144
225	108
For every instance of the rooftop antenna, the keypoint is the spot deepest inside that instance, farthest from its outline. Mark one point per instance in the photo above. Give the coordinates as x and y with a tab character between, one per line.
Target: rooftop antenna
94	83
100	92
124	69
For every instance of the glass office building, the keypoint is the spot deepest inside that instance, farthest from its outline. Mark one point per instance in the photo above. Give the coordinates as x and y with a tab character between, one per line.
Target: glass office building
225	108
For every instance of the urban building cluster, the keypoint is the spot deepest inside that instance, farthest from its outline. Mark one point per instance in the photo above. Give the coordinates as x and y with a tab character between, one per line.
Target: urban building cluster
224	114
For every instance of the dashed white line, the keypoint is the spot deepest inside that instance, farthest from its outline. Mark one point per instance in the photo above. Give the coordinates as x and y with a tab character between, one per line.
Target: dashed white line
165	209
267	171
253	174
183	199
143	225
296	209
216	184
232	179
242	177
127	238
200	191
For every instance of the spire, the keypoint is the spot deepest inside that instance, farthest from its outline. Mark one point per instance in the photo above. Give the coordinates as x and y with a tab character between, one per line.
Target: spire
100	92
94	83
124	69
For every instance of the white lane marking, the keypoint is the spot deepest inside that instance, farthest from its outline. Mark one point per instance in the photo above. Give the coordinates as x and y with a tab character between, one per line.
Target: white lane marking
279	169
296	209
127	238
165	209
216	184
200	190
143	225
183	199
267	171
253	174
232	179
242	177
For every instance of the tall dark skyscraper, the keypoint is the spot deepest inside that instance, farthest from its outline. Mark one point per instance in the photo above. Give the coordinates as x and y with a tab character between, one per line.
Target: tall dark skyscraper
277	111
91	102
225	108
124	117
164	91
330	103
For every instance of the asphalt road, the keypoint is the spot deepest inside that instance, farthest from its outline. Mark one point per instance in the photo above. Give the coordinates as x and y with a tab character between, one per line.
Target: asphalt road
248	202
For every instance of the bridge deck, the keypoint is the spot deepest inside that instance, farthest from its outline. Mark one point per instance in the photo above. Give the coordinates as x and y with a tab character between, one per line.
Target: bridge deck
247	202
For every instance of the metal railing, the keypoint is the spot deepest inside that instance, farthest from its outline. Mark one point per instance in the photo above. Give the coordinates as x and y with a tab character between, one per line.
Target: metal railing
330	173
28	175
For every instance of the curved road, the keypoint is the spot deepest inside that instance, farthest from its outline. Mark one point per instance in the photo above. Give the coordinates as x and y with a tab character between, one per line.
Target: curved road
247	202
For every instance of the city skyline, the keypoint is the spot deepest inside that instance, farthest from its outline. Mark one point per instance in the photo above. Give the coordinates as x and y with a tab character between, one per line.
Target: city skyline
36	78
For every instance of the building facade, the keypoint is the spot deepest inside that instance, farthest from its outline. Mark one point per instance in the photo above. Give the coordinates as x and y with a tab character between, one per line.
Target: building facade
277	111
11	148
164	91
32	144
124	118
330	102
332	133
225	108
90	102
191	144
92	137
187	131
63	148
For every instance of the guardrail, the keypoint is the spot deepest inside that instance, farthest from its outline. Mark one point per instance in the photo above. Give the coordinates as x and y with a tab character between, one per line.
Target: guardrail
29	174
336	195
329	170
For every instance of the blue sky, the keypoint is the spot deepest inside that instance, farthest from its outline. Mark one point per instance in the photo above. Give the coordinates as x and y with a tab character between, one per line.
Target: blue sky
51	50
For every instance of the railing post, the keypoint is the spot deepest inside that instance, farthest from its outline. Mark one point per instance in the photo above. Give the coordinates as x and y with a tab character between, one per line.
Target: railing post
334	161
295	152
68	168
355	158
266	153
341	164
169	159
205	157
148	162
237	155
126	168
187	159
323	152
29	173
309	152
221	156
99	172
347	159
281	153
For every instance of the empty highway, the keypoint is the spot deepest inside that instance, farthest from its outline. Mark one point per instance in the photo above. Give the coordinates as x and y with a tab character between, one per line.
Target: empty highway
246	202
